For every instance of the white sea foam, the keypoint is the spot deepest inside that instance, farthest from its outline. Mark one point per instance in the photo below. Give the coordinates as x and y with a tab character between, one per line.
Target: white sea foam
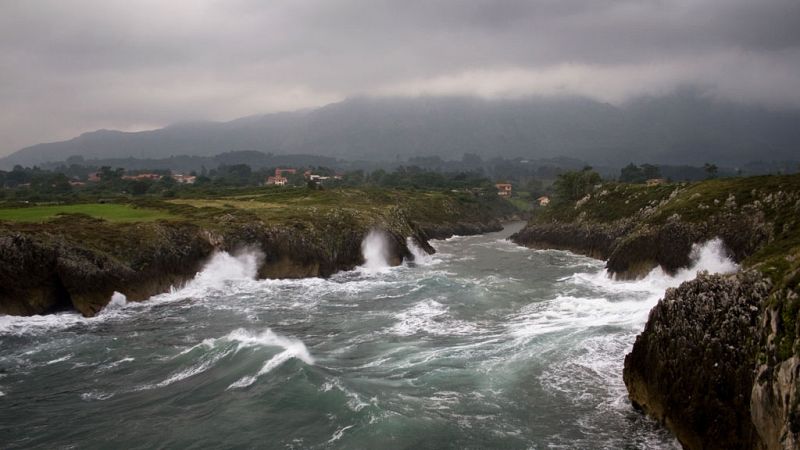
114	364
19	325
118	302
96	395
354	401
710	256
504	245
232	273
58	360
339	433
421	257
211	351
431	317
589	371
221	269
614	302
224	267
375	250
292	348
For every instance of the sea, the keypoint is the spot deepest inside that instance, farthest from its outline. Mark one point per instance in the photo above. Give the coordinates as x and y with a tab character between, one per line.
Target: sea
484	344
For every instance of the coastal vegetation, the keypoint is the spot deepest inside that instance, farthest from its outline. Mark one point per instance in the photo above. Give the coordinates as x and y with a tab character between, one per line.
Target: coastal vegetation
770	198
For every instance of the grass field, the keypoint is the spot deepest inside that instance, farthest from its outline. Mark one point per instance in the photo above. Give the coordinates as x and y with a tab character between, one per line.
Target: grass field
107	211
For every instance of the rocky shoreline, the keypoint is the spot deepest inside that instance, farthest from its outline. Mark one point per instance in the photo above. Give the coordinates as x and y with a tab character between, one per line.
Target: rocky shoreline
52	270
718	362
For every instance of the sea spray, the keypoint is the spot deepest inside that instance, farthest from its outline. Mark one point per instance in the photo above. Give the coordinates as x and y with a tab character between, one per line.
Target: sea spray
224	266
375	249
118	300
421	257
709	256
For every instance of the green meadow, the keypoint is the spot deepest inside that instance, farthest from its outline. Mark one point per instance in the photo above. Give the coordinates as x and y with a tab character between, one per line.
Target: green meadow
106	211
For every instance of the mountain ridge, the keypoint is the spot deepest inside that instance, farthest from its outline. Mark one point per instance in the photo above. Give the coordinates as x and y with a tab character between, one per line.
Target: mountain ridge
683	127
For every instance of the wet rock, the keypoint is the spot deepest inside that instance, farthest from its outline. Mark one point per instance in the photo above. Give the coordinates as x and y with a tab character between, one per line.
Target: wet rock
692	366
57	266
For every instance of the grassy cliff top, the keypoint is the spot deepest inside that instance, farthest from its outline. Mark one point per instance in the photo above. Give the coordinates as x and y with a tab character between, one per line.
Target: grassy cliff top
694	202
103	211
773	200
306	208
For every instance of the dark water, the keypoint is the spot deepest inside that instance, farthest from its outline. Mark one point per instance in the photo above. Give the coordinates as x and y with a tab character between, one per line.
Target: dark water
484	345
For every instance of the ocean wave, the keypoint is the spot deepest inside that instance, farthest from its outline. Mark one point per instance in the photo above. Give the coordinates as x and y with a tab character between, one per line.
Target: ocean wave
292	348
709	256
206	361
421	257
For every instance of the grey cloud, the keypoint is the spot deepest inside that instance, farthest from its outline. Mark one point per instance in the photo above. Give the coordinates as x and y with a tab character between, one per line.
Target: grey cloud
67	67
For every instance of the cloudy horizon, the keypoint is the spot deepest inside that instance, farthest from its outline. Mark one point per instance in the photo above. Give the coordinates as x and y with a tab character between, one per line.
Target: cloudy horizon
71	67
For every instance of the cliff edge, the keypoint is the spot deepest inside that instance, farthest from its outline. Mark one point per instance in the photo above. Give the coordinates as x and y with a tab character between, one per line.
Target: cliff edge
719	359
76	262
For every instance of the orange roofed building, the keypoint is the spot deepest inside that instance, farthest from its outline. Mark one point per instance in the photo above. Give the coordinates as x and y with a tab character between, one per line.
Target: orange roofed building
277	181
503	189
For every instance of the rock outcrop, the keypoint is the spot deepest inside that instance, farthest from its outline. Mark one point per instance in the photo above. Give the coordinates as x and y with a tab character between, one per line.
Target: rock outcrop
77	262
46	272
775	396
692	366
719	360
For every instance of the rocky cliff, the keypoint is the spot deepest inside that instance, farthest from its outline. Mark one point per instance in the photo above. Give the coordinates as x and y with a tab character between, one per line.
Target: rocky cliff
719	359
692	366
77	262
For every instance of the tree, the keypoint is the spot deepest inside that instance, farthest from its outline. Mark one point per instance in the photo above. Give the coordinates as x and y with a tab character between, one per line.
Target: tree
17	176
354	178
711	170
631	174
650	171
638	174
534	187
574	185
108	174
137	187
377	176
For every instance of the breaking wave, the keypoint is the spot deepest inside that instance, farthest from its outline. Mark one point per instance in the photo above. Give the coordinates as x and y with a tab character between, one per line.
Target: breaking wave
225	267
710	256
292	348
217	275
375	249
589	370
421	257
467	346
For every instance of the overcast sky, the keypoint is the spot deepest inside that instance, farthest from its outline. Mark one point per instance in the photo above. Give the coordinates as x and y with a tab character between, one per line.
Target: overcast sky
69	66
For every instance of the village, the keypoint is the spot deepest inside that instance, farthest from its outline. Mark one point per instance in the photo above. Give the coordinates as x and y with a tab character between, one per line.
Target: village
24	185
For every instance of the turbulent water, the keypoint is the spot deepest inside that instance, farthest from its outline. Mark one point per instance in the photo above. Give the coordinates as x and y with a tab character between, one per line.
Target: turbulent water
483	345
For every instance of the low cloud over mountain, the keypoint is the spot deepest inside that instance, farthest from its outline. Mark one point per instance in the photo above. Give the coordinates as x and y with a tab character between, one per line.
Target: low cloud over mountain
681	128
